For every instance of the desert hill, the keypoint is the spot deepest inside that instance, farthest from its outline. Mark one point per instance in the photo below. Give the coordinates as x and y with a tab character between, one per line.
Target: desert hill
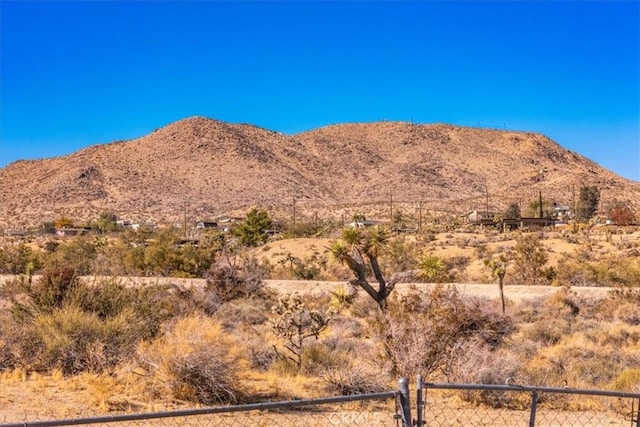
208	167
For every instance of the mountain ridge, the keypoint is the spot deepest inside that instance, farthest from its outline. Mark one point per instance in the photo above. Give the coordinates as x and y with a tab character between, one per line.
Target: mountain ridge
215	167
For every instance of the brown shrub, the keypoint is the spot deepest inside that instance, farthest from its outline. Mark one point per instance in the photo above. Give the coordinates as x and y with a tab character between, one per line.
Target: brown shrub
347	380
419	333
195	361
239	277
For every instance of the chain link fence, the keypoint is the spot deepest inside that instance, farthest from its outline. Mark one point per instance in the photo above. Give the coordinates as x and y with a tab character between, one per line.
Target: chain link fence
514	405
375	409
434	405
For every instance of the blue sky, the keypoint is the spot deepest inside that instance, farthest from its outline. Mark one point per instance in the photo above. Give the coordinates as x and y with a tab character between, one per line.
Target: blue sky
75	74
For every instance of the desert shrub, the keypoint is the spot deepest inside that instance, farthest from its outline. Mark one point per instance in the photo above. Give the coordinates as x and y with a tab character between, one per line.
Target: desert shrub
479	364
12	336
628	312
529	257
347	380
627	380
106	298
261	355
400	255
77	254
18	259
248	311
611	271
344	327
482	251
622	303
63	323
301	269
195	360
234	277
622	271
575	273
620	336
51	291
630	294
54	288
74	341
363	308
547	332
419	332
302	229
576	363
459	262
150	305
305	271
318	357
553	318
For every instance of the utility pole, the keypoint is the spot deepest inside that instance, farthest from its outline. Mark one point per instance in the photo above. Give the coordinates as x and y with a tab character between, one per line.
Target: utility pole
540	202
184	219
391	207
294	217
315	221
486	196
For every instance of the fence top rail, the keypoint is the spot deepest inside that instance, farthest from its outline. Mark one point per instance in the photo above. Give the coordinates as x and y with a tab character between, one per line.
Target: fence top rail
288	404
515	387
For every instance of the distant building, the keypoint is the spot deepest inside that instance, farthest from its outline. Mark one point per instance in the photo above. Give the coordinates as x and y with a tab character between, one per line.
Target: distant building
363	223
72	231
476	216
561	212
202	225
15	233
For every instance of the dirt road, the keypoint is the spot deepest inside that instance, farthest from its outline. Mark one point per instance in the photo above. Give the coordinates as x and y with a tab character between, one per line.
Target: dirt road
515	293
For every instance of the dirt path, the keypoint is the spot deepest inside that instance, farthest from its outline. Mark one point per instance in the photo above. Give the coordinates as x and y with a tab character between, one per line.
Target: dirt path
515	293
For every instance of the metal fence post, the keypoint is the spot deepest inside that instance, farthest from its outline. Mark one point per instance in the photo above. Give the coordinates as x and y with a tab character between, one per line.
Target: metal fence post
534	408
405	401
419	402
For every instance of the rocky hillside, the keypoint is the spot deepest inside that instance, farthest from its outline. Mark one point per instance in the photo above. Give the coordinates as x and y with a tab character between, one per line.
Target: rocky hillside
206	167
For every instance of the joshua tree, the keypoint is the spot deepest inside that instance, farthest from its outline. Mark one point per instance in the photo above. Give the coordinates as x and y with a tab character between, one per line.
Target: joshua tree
355	249
498	268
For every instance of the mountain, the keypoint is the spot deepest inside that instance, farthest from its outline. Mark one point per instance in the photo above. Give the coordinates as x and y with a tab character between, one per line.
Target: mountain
202	168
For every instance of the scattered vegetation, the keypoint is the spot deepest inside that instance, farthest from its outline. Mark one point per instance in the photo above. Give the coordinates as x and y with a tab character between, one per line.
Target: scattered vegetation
212	344
295	324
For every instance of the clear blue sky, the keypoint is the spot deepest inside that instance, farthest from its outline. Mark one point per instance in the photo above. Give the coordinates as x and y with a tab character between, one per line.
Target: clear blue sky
75	74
